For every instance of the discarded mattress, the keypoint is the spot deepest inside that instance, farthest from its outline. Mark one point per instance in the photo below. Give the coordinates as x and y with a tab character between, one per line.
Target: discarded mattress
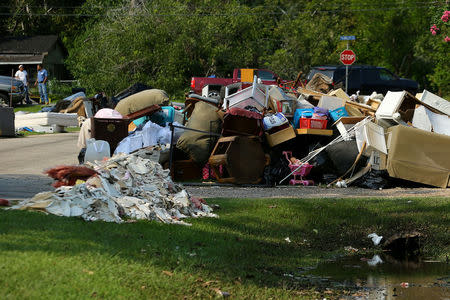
127	186
45	119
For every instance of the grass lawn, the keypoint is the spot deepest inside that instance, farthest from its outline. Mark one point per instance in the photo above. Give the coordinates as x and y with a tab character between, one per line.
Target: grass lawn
243	252
29	107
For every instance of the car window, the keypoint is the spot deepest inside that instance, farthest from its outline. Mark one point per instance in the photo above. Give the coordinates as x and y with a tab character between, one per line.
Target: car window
386	75
371	75
353	76
239	74
266	75
339	75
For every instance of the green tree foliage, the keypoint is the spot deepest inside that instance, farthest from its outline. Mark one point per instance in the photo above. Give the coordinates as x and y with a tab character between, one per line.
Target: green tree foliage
37	17
308	35
164	43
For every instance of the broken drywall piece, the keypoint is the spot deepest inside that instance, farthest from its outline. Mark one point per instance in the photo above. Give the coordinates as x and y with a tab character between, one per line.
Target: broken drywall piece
126	186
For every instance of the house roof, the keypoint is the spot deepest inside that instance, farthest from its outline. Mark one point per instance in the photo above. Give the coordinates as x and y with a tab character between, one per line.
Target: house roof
28	45
24	59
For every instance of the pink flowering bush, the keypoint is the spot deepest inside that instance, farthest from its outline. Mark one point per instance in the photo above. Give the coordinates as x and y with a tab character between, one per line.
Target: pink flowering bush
444	18
434	29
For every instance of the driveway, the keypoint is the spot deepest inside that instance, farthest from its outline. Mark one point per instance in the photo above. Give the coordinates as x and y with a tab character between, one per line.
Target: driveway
23	160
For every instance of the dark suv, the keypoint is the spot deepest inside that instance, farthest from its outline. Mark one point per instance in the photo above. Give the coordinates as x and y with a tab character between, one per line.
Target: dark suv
366	79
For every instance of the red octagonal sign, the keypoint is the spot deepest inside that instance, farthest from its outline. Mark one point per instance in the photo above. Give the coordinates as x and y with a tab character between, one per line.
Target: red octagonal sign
348	57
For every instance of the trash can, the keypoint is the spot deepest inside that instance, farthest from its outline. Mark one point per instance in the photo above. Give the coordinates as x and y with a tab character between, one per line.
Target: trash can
110	130
7	121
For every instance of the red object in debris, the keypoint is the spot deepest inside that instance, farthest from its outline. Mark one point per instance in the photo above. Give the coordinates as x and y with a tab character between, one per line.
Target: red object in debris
198	202
68	175
4	202
348	57
312	123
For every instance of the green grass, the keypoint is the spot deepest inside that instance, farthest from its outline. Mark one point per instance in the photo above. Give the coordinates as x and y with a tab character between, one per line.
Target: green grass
72	129
28	108
243	252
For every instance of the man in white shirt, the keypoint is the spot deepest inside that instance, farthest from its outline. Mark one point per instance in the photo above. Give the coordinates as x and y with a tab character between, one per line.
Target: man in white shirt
22	75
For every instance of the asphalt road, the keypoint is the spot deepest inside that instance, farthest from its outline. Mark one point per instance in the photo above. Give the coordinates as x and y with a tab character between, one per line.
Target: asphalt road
23	160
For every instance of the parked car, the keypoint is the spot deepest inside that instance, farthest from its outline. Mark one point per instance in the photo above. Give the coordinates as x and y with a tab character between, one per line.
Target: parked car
366	79
18	91
216	84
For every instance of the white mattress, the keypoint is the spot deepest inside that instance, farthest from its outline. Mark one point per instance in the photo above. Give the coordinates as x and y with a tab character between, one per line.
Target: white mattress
46	118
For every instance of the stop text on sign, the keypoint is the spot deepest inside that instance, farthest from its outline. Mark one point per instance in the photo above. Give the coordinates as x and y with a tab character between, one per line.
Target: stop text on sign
348	57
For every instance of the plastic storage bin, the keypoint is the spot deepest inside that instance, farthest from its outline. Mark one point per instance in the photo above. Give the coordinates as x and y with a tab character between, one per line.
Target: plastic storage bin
338	113
170	113
312	123
302	113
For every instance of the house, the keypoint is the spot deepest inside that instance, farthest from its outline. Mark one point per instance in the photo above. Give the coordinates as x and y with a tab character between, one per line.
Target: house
30	51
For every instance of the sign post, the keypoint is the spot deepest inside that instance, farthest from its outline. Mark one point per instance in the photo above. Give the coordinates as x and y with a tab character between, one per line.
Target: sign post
348	57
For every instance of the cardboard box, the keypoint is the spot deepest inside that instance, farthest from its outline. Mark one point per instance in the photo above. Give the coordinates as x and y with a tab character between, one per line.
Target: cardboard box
419	156
280	136
378	160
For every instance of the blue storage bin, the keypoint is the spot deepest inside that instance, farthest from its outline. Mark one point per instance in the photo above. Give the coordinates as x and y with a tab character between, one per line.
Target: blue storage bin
170	113
338	113
302	113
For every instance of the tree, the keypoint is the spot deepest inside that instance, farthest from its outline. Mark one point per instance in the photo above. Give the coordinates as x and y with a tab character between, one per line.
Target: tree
433	48
164	43
32	17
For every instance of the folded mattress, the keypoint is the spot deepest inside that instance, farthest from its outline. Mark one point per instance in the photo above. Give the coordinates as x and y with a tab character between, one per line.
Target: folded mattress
45	119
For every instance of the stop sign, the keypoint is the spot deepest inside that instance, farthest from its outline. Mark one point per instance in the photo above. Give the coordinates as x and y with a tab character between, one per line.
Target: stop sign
348	57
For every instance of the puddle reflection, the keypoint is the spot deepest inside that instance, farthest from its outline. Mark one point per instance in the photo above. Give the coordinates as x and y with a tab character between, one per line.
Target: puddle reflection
381	277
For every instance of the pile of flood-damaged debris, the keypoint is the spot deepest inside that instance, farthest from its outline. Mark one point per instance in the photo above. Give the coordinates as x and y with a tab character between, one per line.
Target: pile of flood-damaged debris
126	186
253	134
299	135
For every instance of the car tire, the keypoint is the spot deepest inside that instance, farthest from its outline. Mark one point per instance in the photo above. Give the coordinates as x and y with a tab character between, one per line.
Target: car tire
4	98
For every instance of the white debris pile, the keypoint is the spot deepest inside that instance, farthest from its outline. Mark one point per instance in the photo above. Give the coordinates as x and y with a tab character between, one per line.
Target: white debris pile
128	186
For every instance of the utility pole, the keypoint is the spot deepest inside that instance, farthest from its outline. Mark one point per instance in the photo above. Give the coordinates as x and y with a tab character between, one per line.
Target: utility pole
11	88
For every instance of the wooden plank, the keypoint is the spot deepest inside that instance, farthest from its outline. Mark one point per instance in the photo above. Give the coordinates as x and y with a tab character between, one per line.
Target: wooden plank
349	120
310	92
326	132
361	106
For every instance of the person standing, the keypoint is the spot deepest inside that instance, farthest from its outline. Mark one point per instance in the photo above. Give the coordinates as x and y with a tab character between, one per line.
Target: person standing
22	75
41	81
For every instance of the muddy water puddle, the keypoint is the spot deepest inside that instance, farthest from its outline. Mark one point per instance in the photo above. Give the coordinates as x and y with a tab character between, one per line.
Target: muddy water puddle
379	277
